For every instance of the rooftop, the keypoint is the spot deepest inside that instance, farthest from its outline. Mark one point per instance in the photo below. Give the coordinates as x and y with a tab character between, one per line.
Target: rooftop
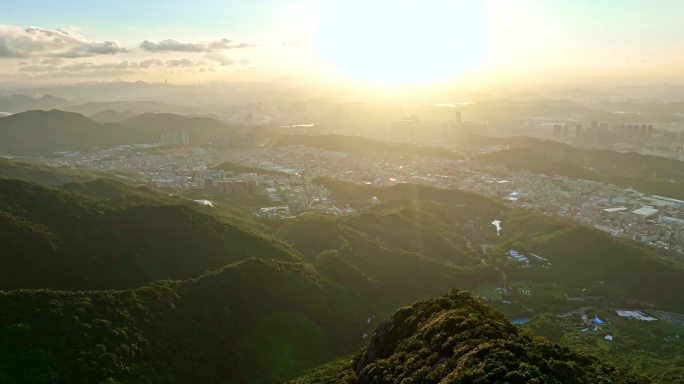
646	211
616	209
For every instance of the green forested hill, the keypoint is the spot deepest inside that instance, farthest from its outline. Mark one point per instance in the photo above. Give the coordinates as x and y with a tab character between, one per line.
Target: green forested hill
361	194
119	194
651	174
418	242
41	133
61	240
251	322
96	185
38	173
588	268
456	339
362	144
284	295
148	126
36	133
386	276
111	116
583	258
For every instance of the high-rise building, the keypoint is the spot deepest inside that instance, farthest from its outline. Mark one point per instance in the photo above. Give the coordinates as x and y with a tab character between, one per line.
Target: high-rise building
453	128
578	132
174	138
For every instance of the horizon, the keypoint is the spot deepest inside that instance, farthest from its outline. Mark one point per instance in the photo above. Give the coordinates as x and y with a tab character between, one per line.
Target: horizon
341	191
421	45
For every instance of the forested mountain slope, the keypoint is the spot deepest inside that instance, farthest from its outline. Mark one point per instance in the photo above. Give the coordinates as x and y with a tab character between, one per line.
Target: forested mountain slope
456	339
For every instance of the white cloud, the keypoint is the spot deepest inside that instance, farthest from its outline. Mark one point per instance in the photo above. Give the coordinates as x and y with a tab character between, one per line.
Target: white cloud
38	68
150	63
220	58
184	63
171	45
86	68
16	42
80	66
52	61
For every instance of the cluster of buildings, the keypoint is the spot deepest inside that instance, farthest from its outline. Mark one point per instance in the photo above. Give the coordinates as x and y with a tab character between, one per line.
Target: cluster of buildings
457	127
299	200
605	133
525	261
224	182
171	168
667	141
290	194
514	255
654	220
175	138
413	128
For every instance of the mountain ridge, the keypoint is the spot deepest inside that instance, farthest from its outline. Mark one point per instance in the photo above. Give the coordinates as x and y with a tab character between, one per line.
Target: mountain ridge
456	339
41	133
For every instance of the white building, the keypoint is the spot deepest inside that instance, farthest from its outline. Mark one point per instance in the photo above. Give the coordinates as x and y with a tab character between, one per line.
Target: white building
175	138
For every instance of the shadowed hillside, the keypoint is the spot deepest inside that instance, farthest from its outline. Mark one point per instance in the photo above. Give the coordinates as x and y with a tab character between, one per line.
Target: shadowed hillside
41	133
61	240
456	339
362	144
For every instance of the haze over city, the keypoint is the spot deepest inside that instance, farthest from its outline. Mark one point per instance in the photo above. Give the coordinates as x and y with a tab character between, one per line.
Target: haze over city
342	192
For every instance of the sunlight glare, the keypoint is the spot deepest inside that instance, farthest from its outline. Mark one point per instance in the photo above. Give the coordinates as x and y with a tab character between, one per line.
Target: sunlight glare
403	41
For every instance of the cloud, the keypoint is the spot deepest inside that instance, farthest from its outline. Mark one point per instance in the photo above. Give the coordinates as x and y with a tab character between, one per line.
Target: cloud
106	69
150	63
52	61
225	60
16	42
49	64
171	45
82	66
131	65
38	68
183	63
220	58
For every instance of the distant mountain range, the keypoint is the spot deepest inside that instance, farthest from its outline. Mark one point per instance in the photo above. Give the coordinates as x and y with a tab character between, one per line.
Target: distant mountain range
21	103
648	104
136	107
40	133
624	112
45	132
659	111
111	116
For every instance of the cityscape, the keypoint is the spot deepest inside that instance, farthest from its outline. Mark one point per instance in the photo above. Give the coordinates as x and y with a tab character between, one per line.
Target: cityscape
342	192
289	175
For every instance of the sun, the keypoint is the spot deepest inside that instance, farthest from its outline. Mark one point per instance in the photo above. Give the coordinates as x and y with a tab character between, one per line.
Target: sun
403	41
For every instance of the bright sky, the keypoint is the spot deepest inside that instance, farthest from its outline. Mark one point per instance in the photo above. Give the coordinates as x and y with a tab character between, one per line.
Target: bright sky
394	42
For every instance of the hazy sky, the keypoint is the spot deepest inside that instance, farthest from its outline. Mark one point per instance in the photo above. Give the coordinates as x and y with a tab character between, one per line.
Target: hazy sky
378	41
